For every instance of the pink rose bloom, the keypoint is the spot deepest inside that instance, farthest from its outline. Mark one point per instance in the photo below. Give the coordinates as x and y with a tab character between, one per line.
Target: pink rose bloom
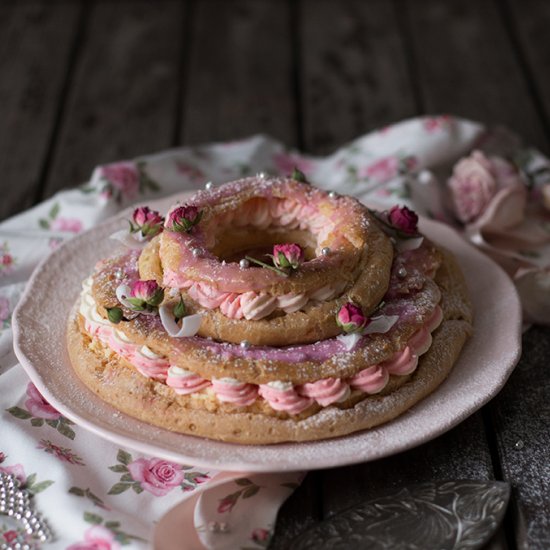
7	259
226	504
260	535
350	318
124	176
288	256
4	308
68	225
472	186
183	218
146	292
285	163
96	538
382	170
16	470
403	219
38	406
156	476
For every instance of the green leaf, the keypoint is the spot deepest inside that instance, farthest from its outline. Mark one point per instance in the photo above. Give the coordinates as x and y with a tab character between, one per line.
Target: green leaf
54	211
77	491
298	175
118	468
19	413
112	524
30	480
251	491
127	477
44	224
37	422
63	429
52	423
118	488
290	485
92	518
137	488
124	457
39	487
87	189
114	314
179	310
243	481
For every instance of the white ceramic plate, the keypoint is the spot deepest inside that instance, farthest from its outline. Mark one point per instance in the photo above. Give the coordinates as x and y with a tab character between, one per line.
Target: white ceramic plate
484	366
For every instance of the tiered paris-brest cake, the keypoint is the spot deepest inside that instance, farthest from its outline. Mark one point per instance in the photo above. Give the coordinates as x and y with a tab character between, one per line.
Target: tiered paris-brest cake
267	310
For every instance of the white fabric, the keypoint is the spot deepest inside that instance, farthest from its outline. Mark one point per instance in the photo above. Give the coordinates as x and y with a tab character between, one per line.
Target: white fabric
90	490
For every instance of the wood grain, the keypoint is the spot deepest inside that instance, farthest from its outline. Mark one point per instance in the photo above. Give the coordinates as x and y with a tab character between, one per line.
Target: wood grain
123	96
240	72
467	66
354	74
35	46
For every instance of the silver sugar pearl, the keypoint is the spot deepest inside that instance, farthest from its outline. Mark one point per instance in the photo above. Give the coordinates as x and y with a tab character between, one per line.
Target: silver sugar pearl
224	527
402	272
261	175
333	194
196	252
208	186
213	526
244	263
519	444
245	344
325	251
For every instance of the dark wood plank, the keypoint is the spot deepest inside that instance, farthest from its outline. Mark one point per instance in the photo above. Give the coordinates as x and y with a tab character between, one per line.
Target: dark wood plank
125	91
354	75
528	23
36	39
521	414
467	65
240	75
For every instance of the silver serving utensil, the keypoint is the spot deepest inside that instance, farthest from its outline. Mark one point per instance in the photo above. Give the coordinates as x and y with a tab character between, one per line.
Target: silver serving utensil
444	515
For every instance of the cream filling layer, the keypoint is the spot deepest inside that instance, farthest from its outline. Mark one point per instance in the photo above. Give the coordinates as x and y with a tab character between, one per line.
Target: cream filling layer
280	395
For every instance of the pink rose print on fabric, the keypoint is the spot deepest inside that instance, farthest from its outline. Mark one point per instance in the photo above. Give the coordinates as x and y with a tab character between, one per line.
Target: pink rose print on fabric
66	225
249	489
382	170
123	178
434	124
38	406
156	476
7	261
96	538
17	470
62	453
5	312
190	171
285	163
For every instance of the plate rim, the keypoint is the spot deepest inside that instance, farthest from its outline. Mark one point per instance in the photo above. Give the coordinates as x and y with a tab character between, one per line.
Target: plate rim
330	461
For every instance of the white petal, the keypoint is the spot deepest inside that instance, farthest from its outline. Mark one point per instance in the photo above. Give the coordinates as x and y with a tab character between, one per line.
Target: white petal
122	292
381	324
409	244
189	325
350	340
129	239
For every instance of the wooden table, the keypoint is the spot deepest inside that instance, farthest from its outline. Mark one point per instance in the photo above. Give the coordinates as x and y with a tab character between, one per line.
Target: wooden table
83	83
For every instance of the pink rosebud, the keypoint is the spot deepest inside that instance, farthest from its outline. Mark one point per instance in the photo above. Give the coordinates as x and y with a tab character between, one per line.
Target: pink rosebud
183	219
472	186
226	504
149	222
145	293
404	220
288	256
350	318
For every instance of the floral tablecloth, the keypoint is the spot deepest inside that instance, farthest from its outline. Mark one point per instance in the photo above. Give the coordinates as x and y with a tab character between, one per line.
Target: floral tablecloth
96	495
